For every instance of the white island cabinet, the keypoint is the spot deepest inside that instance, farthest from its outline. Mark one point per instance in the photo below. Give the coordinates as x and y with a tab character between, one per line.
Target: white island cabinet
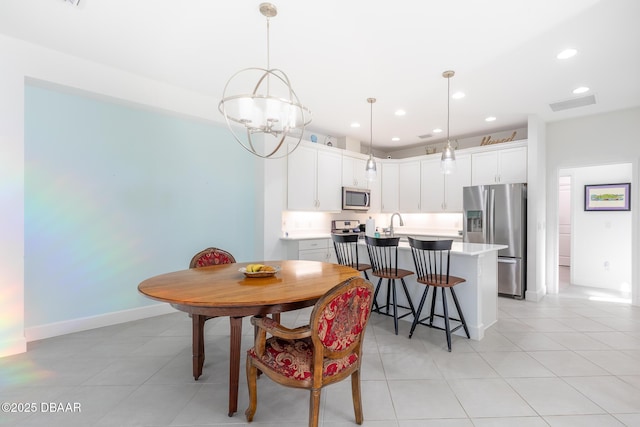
478	296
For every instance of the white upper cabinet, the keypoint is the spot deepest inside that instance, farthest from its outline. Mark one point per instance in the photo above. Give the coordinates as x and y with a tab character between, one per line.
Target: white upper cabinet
501	166
376	193
314	179
455	182
329	180
389	175
440	192
353	174
431	186
409	187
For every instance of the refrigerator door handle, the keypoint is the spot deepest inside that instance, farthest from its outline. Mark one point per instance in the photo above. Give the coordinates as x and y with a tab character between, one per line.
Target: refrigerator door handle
507	260
491	204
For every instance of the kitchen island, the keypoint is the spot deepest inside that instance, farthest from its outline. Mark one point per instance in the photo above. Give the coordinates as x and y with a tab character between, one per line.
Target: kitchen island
475	262
478	296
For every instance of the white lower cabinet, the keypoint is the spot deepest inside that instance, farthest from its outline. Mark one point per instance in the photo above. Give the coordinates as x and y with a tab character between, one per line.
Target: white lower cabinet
311	250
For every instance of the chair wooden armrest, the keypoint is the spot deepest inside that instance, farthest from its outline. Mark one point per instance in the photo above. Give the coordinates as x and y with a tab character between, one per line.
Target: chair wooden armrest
276	329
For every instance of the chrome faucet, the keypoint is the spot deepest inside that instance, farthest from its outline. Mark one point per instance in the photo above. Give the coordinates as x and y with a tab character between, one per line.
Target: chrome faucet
391	222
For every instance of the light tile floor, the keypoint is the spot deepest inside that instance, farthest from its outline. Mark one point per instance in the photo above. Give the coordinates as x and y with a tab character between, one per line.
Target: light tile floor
565	361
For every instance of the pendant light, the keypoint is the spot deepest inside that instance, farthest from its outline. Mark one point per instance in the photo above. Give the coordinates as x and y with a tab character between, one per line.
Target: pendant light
448	160
268	112
370	169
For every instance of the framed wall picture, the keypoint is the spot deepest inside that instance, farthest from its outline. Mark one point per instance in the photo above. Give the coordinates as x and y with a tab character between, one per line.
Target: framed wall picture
607	197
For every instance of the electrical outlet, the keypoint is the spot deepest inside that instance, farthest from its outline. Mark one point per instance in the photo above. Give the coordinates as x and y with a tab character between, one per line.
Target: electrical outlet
606	266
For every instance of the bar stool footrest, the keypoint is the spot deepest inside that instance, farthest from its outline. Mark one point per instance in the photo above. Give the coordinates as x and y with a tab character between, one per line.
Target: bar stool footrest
390	314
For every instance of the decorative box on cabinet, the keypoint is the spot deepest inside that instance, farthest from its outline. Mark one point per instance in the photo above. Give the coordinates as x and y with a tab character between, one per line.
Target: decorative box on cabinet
499	166
314	179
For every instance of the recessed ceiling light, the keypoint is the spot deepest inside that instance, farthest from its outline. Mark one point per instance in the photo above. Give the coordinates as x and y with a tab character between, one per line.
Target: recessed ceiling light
355	125
490	119
458	95
567	53
395	138
437	130
581	89
400	113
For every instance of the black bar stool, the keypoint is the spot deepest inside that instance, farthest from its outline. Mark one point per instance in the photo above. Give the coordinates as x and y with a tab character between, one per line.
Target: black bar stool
346	246
431	259
383	254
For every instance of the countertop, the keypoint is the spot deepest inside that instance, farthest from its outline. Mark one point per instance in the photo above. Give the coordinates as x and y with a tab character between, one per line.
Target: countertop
399	232
469	249
460	248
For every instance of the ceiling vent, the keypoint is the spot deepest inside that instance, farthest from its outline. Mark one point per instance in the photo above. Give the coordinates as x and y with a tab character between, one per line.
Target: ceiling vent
573	103
425	136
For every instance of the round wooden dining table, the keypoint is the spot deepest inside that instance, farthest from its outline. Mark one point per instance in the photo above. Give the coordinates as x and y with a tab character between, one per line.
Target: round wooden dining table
223	290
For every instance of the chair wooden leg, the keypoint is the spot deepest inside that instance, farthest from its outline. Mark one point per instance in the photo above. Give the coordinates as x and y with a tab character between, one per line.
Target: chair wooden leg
406	293
416	319
464	324
356	395
252	374
395	305
433	305
314	407
446	318
375	296
388	294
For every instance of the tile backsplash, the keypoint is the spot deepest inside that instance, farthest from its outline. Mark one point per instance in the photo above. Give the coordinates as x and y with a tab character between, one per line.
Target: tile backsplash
320	222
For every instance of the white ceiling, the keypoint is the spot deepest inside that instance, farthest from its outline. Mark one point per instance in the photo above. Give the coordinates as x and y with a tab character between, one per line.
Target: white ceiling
337	53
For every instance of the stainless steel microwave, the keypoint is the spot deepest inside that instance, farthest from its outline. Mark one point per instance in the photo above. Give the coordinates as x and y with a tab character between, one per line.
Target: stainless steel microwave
356	199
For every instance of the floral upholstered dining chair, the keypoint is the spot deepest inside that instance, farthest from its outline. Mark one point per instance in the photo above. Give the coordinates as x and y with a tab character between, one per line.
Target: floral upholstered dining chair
205	258
211	256
324	352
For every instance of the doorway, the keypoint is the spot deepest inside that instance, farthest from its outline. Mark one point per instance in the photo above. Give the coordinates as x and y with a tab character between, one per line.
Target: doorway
594	247
564	232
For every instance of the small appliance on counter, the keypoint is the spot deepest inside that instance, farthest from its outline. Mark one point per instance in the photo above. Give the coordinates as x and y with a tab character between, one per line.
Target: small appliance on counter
347	226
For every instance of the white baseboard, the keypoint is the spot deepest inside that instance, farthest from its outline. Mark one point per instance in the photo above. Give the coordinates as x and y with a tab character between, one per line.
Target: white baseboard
85	323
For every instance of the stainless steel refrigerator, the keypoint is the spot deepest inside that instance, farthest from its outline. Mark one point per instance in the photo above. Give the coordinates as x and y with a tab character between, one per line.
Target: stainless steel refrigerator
498	214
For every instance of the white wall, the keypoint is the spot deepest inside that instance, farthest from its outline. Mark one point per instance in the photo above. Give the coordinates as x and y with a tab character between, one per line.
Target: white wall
536	209
601	240
25	62
602	139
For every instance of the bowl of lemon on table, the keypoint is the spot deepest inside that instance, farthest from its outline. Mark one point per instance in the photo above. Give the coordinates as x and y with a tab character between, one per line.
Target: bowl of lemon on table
259	270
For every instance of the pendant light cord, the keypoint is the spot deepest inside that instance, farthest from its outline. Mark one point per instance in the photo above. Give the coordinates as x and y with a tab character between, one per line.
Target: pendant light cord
268	57
371	101
448	102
